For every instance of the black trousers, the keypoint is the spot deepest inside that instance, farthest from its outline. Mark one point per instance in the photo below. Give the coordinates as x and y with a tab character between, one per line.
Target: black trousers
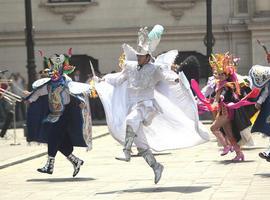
58	137
7	123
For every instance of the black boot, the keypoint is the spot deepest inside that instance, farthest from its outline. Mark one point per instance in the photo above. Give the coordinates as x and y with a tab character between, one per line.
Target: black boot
76	162
48	168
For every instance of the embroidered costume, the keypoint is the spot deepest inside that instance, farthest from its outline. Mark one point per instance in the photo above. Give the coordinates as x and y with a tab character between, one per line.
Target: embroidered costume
229	98
59	113
260	76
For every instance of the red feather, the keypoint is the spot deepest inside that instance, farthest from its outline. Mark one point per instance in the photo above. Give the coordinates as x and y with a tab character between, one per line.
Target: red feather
253	94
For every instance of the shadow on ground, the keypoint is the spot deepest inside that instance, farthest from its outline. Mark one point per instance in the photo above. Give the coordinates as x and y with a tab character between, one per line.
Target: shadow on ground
58	180
264	175
179	189
225	162
155	154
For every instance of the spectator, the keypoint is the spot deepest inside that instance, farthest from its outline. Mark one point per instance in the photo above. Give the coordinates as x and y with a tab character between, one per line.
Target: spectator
17	87
77	74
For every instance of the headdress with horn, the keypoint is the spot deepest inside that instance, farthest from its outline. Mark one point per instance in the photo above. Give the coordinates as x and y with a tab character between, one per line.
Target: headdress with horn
58	64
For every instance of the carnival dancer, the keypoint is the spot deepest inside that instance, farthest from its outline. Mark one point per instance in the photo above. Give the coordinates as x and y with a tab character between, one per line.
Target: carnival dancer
227	105
137	108
245	83
59	113
260	76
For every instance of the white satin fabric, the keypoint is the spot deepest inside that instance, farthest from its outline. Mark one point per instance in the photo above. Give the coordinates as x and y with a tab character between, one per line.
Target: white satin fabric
177	126
168	118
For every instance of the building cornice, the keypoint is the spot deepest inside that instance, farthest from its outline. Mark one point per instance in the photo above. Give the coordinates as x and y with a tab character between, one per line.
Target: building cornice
259	26
113	35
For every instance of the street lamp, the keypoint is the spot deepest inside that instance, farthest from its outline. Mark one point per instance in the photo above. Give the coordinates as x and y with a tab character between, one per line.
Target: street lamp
209	33
209	39
31	66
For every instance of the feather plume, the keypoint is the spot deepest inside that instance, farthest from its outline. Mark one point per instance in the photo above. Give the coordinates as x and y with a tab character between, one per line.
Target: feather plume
155	36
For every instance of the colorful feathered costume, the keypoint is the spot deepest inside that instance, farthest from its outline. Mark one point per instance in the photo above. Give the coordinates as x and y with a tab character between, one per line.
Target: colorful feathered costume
227	104
260	76
59	113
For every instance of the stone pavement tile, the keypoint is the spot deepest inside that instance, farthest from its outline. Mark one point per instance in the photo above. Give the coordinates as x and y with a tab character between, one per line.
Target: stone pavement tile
195	197
15	151
208	181
24	152
231	182
228	195
193	173
258	190
257	196
167	195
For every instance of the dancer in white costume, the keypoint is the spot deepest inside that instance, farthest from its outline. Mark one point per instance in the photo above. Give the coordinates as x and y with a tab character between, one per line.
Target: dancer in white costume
141	106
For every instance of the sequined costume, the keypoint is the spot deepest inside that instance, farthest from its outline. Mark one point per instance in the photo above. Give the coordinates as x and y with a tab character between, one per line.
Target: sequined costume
227	106
139	108
260	76
59	114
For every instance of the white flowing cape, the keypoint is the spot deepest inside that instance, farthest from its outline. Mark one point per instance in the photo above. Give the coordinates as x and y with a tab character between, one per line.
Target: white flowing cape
176	127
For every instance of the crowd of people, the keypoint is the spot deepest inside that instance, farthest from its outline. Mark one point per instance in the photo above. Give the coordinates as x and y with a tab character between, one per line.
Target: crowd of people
16	84
10	103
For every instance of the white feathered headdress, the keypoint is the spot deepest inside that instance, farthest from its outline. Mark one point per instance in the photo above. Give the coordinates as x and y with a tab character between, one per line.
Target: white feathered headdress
147	42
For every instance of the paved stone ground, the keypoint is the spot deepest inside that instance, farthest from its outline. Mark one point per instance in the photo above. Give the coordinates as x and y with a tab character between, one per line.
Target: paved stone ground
193	173
16	150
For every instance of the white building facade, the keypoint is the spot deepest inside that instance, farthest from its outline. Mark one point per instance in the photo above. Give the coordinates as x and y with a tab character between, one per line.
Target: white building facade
99	27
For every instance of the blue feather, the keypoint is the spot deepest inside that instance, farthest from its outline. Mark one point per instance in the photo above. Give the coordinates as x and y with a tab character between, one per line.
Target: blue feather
156	32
